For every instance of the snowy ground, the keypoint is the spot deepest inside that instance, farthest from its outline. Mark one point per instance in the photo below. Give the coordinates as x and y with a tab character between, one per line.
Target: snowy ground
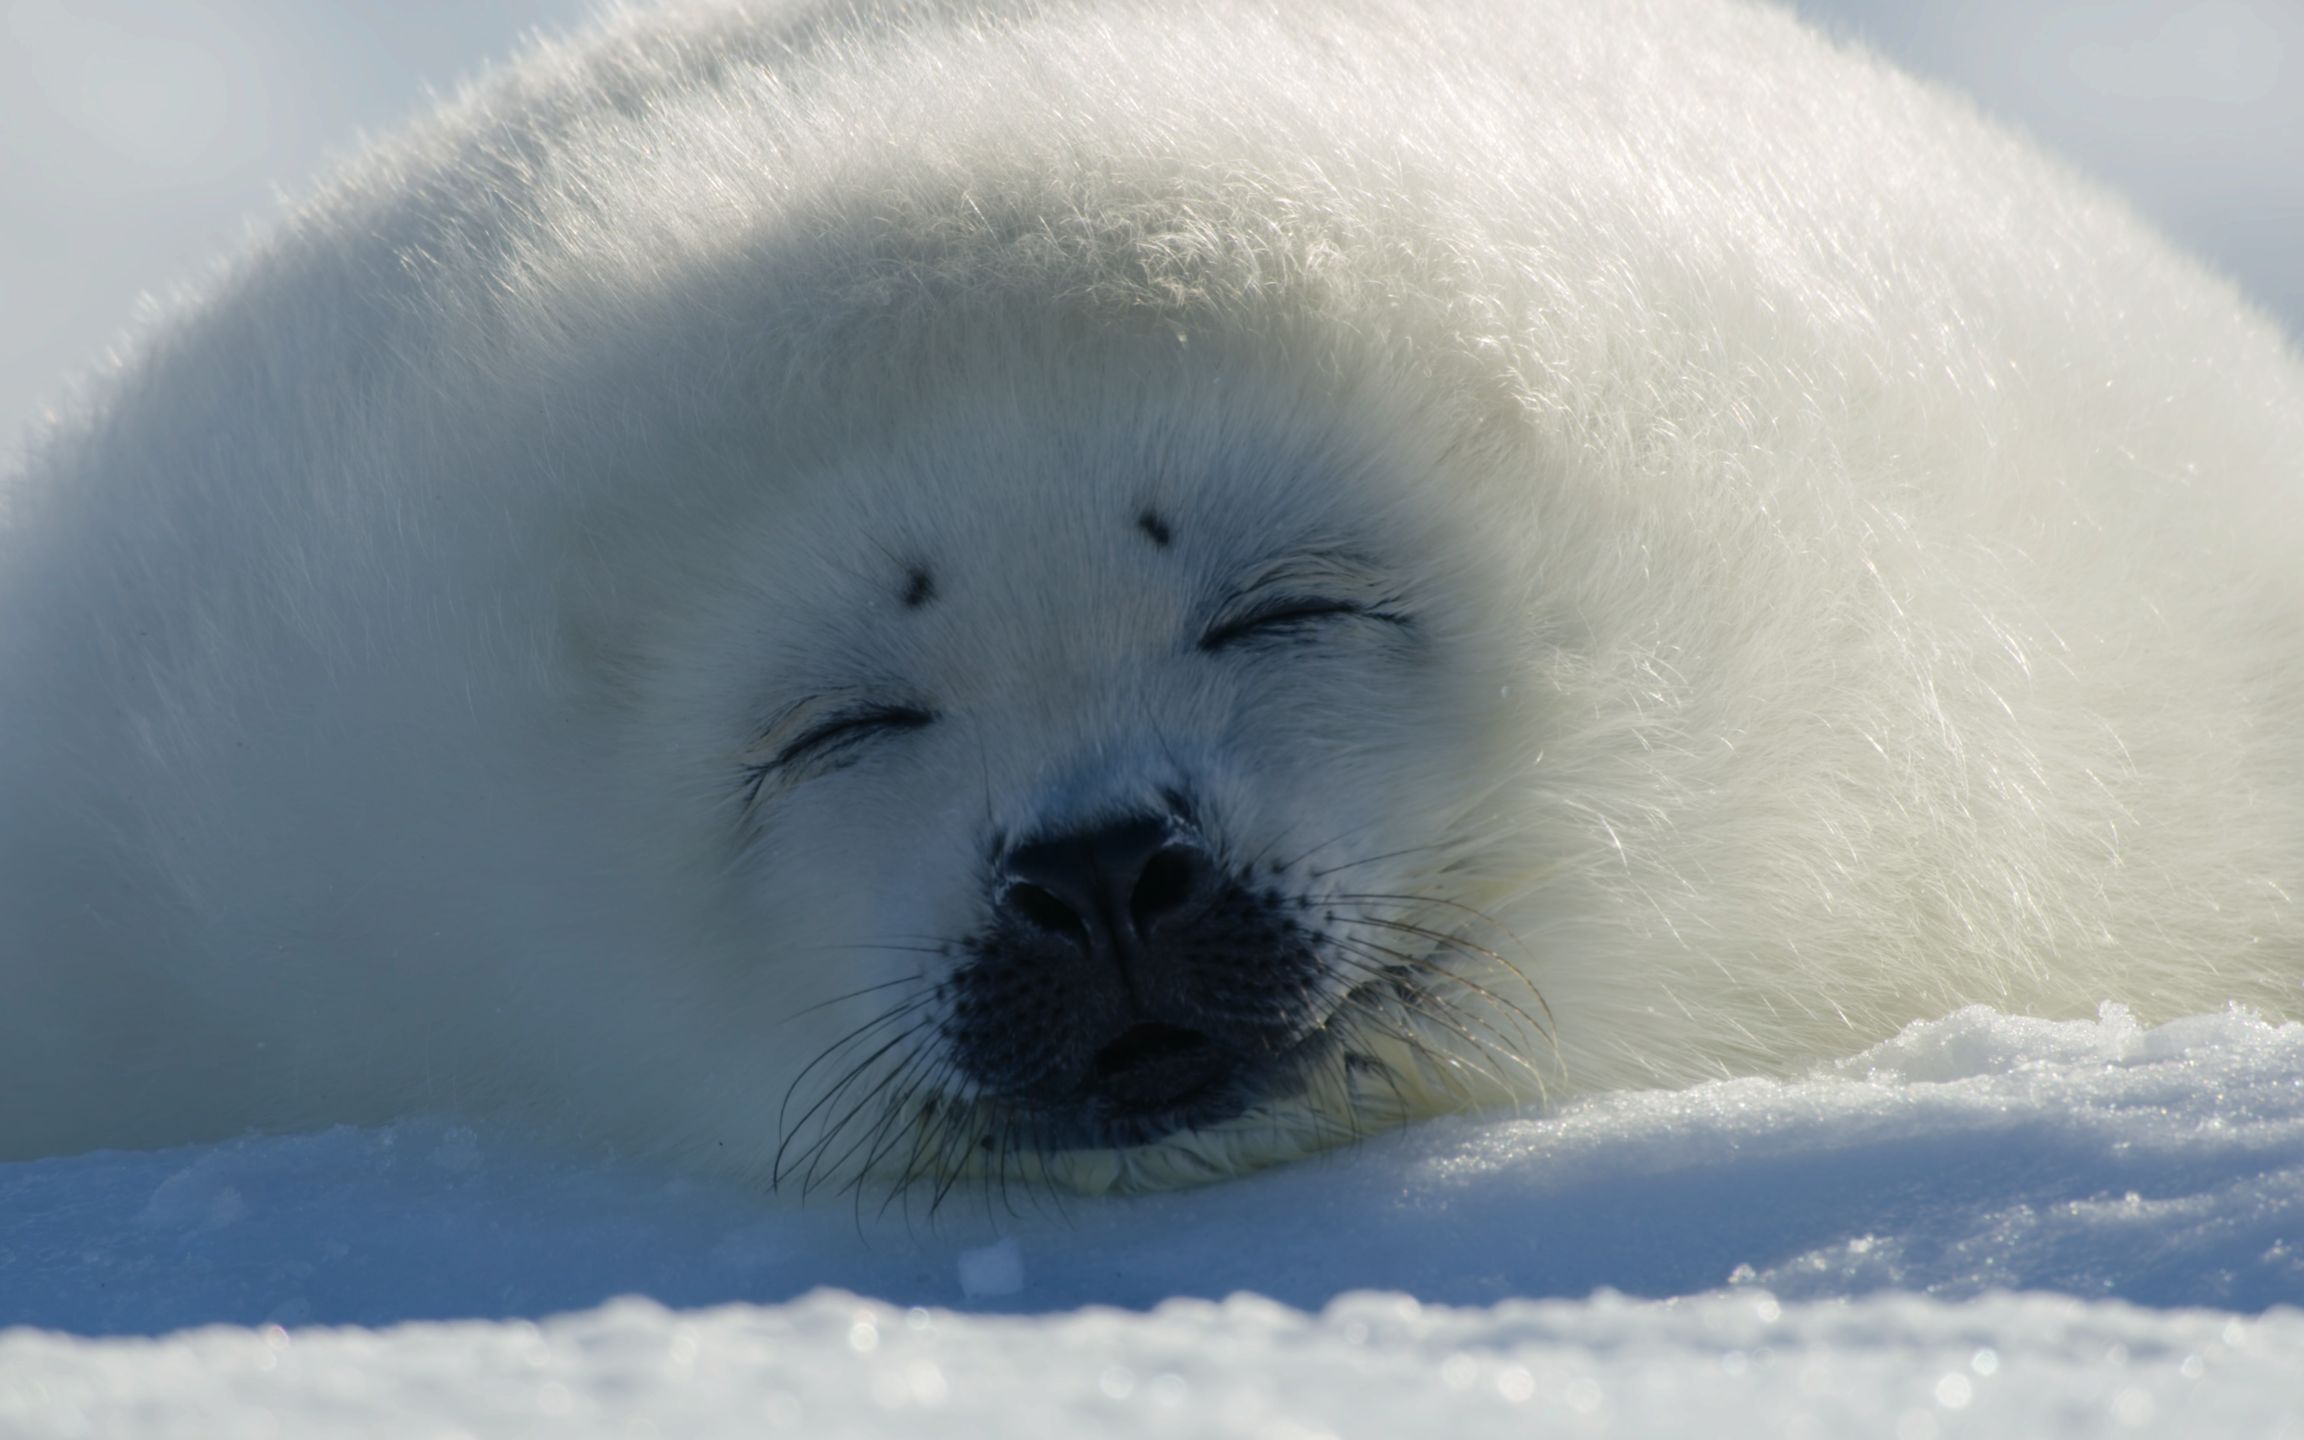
1837	1256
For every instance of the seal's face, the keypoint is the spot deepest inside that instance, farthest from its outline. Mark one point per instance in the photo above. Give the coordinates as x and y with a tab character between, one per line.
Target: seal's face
1102	800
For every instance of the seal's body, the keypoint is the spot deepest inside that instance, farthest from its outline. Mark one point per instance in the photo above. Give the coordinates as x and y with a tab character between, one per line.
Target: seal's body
1123	590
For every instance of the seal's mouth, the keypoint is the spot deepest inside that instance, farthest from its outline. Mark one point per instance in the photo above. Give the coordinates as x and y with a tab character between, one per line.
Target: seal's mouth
1159	1079
1185	1098
1155	1067
1171	1102
1375	1061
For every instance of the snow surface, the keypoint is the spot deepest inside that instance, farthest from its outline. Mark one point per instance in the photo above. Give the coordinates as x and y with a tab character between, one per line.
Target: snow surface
1837	1255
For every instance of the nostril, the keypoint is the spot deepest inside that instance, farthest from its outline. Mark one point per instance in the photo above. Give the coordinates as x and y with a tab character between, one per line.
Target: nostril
1048	913
1165	884
1108	889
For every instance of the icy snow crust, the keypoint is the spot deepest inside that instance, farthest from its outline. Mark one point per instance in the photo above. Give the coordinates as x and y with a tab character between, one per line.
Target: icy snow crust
1379	1365
1844	1241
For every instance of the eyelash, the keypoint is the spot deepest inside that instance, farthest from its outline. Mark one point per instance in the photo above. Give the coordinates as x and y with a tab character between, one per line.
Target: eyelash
1284	616
845	730
828	740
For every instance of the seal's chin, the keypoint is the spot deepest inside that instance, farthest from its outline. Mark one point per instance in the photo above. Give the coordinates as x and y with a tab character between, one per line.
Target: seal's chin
1375	1064
1158	1081
1353	1092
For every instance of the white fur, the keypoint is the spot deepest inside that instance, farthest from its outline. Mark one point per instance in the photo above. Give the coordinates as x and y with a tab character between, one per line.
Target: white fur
1856	565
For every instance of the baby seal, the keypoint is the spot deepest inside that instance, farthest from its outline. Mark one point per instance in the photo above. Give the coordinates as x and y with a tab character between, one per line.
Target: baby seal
1114	591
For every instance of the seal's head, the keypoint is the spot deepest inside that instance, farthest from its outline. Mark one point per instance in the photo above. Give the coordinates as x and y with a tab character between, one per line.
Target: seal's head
1102	766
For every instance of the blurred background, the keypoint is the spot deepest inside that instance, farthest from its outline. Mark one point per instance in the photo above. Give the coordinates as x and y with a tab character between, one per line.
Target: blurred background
139	137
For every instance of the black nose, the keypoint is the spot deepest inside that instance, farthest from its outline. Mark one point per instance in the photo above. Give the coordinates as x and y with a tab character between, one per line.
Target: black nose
1109	890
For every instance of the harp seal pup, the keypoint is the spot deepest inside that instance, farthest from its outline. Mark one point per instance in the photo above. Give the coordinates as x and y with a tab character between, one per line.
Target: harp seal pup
1109	593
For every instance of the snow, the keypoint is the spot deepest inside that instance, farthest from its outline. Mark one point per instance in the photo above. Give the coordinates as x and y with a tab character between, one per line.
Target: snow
1989	1226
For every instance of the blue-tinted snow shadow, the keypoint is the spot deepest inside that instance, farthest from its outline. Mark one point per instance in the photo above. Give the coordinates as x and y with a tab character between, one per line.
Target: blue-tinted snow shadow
425	1221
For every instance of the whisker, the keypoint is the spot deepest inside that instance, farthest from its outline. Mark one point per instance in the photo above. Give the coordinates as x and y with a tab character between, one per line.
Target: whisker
885	1017
918	1122
816	1154
852	995
1342	866
1504	1043
1442	901
1458	943
1437	1010
831	1097
1336	839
